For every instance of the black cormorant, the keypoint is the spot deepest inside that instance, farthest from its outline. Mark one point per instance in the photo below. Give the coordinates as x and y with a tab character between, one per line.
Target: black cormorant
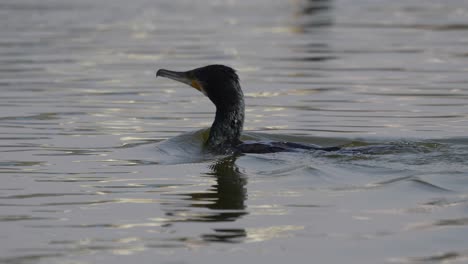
221	84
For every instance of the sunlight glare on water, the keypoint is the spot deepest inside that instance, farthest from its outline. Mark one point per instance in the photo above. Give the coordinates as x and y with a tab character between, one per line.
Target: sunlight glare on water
102	163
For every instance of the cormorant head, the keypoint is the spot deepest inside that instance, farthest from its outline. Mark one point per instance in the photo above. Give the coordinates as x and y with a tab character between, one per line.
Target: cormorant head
220	83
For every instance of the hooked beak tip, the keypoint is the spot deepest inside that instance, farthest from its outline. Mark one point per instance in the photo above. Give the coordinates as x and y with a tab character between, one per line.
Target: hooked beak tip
158	73
167	73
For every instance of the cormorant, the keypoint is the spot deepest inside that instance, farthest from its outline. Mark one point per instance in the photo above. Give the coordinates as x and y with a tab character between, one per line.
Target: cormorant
221	85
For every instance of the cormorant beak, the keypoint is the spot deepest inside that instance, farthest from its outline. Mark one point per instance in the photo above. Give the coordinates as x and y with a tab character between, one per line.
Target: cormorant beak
183	77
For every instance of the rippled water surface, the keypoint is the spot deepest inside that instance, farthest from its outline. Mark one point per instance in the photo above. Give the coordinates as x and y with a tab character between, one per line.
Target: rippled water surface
87	174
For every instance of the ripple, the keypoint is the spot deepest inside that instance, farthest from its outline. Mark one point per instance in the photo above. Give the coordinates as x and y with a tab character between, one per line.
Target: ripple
451	256
15	218
41	195
452	222
271	232
29	258
21	163
430	27
226	236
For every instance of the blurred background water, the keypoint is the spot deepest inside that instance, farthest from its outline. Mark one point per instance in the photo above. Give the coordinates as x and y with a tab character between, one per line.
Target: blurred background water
86	176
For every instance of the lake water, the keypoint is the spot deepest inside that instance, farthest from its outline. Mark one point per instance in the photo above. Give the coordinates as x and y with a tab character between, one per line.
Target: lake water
87	176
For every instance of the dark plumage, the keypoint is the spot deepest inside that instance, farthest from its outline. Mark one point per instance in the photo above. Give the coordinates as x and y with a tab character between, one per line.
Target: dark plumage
221	84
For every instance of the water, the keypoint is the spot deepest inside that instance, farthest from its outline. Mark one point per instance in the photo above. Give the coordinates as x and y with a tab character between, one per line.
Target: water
87	176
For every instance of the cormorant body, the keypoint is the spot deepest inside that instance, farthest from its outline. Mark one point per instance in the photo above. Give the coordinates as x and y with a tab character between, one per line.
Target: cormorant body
221	85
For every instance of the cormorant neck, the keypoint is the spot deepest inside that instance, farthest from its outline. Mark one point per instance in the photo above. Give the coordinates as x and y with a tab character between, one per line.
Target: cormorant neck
227	127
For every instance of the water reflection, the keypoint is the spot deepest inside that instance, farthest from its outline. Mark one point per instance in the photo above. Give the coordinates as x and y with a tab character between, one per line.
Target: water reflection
230	191
225	200
316	6
310	48
316	13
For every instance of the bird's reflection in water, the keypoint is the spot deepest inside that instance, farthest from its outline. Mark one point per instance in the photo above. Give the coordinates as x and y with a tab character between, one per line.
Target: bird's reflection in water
230	188
225	201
